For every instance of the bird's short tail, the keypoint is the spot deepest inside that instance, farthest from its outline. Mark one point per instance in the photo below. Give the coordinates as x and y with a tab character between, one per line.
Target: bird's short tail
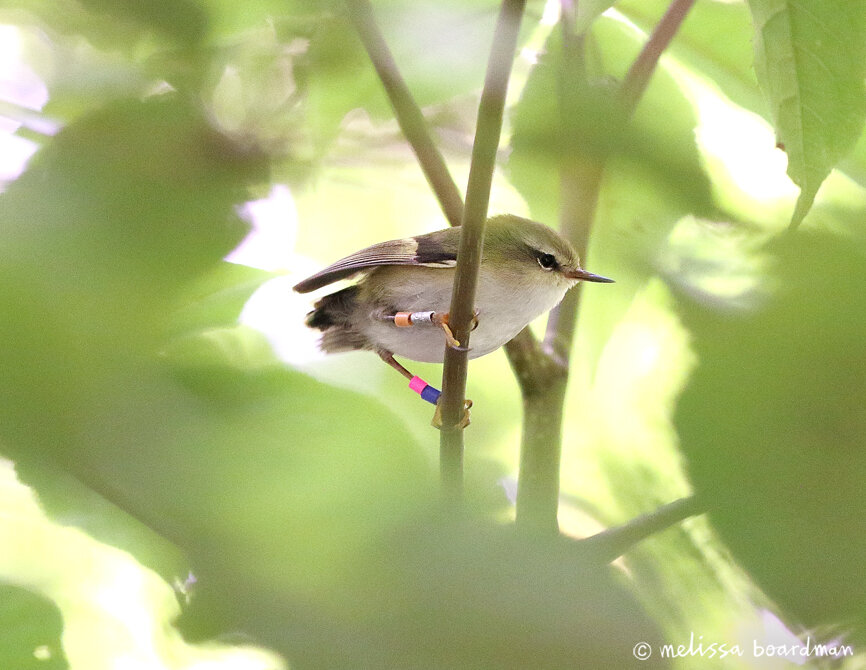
333	316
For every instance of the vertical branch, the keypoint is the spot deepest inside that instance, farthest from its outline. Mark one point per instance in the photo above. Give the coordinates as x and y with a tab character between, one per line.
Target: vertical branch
488	130
407	111
580	181
541	443
542	382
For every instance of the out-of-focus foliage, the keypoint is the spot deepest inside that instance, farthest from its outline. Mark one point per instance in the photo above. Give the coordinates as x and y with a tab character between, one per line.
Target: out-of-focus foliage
772	424
433	594
715	41
297	506
30	628
646	190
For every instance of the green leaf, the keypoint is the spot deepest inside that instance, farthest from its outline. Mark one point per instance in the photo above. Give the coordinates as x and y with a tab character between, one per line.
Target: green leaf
772	424
440	594
217	298
810	58
116	220
30	631
110	224
119	24
588	11
440	49
239	347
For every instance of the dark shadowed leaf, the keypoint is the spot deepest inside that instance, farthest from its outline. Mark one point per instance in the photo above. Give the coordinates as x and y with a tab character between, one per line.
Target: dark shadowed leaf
434	594
30	631
772	424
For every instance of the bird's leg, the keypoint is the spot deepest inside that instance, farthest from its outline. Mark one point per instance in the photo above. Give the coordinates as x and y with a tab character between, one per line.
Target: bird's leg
423	389
388	357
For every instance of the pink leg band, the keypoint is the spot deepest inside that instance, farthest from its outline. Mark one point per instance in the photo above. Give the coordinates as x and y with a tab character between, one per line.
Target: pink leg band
417	384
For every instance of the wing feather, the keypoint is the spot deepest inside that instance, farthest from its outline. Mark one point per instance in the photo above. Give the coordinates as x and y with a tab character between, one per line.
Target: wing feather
438	249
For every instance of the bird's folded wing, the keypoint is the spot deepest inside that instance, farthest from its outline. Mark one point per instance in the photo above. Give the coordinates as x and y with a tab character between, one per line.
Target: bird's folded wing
438	250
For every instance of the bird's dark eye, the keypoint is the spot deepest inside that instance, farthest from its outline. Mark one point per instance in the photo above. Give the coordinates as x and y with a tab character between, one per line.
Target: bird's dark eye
547	261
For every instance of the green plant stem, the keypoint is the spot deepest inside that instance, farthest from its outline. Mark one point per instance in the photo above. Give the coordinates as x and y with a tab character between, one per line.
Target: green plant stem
612	543
580	183
542	381
544	389
408	113
487	133
579	180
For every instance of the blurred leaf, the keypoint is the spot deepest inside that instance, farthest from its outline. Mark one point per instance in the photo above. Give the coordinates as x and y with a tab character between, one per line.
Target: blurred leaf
772	424
810	58
71	502
118	24
217	298
182	20
30	631
658	141
232	462
855	164
652	176
588	11
440	594
230	19
288	478
115	216
339	78
440	48
239	347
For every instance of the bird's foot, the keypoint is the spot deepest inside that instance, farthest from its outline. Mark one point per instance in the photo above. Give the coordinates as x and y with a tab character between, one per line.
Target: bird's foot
465	420
441	319
474	323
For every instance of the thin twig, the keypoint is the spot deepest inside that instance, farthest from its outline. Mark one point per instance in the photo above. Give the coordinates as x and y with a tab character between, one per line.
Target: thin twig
487	133
612	543
641	71
407	111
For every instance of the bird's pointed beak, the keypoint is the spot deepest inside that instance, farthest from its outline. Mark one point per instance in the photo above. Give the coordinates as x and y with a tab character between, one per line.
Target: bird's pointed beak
583	275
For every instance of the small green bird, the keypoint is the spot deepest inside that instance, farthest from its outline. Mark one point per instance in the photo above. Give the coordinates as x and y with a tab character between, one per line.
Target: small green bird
526	269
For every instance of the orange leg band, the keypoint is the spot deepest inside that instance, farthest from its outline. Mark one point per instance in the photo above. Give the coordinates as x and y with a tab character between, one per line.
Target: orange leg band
403	319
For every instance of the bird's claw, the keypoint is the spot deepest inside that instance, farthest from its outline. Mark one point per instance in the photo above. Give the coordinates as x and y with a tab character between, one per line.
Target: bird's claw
442	321
464	421
452	341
